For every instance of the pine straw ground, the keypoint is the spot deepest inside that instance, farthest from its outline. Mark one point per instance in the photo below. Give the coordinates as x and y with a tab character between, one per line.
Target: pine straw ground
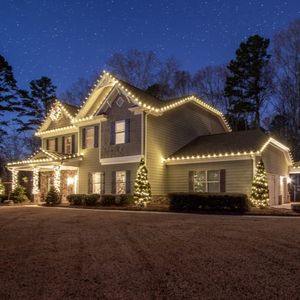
58	253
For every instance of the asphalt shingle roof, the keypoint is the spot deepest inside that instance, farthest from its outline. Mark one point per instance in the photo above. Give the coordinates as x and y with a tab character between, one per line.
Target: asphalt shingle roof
238	141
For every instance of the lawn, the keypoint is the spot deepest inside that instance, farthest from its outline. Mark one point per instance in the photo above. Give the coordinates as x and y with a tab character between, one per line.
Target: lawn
57	253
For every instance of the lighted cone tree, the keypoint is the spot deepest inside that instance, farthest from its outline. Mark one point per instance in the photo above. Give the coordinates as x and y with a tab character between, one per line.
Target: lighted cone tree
142	189
260	192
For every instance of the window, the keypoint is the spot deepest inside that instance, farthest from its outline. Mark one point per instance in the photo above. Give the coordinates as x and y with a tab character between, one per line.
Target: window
89	137
51	145
207	181
121	182
68	145
120	132
98	183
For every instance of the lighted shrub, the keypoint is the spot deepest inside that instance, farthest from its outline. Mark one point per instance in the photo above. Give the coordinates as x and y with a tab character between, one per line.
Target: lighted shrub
19	195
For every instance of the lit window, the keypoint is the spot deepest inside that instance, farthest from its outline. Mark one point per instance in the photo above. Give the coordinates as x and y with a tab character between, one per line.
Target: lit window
98	182
51	144
121	182
207	181
68	145
120	132
89	137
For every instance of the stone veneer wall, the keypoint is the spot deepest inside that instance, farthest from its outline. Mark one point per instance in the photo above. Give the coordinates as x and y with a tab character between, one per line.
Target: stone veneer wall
65	190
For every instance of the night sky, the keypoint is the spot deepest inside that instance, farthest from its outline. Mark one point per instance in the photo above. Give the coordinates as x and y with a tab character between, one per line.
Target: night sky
66	40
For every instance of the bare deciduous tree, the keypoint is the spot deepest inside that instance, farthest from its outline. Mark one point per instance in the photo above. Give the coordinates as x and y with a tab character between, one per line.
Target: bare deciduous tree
286	58
209	84
140	68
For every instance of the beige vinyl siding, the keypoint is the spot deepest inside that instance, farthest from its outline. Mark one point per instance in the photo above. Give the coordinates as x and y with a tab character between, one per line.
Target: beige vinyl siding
169	132
238	175
275	161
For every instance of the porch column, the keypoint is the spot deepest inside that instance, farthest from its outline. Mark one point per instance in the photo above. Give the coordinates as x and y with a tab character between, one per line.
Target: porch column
14	181
56	179
35	181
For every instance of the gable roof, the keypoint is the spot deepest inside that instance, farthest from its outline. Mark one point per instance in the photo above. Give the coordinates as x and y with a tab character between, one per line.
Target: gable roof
227	144
142	99
44	156
69	110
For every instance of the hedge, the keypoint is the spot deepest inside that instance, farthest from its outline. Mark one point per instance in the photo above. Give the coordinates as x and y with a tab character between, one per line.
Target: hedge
76	199
193	202
97	199
92	199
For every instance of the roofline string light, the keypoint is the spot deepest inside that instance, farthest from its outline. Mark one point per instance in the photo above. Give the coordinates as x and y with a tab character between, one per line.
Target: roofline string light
54	159
232	154
226	154
153	109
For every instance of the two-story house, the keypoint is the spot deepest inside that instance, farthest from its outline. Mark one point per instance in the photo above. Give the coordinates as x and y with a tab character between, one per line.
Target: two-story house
187	145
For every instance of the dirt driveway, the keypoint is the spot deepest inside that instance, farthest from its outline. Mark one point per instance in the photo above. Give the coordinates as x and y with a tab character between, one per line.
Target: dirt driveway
50	253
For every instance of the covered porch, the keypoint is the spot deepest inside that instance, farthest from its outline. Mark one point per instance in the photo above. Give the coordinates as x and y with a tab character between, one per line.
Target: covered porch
49	169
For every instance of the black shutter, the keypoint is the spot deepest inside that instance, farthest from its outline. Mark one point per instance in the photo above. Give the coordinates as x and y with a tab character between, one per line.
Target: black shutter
47	144
56	144
96	136
63	144
73	143
223	180
191	181
90	183
127	130
83	138
112	133
128	182
113	182
102	183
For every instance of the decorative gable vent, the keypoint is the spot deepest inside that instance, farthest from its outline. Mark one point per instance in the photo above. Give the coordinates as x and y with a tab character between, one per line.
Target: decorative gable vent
120	101
55	113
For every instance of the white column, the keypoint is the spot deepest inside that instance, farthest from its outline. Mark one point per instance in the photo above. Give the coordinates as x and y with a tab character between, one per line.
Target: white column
35	181
14	178
56	179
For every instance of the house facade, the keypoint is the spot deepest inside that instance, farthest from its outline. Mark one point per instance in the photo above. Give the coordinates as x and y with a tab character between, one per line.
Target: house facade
187	145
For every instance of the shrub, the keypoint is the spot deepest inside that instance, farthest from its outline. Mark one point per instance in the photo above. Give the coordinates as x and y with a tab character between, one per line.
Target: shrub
76	199
296	208
19	195
52	196
208	202
91	200
3	198
108	200
124	199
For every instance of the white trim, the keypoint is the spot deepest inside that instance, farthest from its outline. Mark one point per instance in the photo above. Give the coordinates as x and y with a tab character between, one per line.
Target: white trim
207	160
52	132
120	160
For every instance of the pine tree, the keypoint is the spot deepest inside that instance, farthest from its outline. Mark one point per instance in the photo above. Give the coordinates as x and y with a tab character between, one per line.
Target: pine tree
249	81
8	93
142	189
35	104
260	192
